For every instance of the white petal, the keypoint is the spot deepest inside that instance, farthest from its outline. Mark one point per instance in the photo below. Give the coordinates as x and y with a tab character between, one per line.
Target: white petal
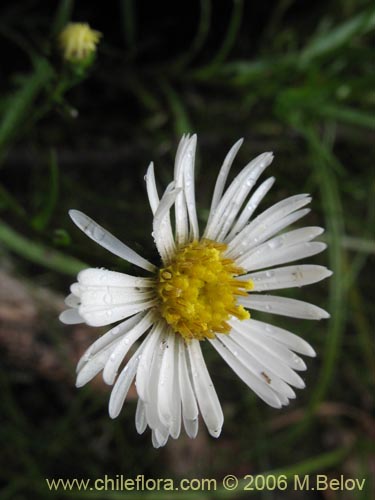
152	191
162	227
289	339
287	277
122	348
208	401
165	385
266	220
101	316
283	306
93	365
268	363
269	257
72	300
189	404
222	177
258	386
71	317
181	214
151	402
269	370
233	198
123	383
140	417
252	244
108	241
108	338
189	190
250	207
175	424
114	296
145	363
251	333
102	277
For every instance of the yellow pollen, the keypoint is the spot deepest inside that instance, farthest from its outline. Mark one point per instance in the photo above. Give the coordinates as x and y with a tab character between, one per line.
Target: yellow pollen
198	290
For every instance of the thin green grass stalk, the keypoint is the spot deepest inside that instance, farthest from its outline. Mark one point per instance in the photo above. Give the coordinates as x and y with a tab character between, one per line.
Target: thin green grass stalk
129	23
337	301
62	17
41	220
324	43
200	36
19	105
181	119
39	253
10	202
229	40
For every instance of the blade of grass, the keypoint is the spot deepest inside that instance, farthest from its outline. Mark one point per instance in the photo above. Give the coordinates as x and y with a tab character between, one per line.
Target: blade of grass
39	253
338	36
40	221
18	107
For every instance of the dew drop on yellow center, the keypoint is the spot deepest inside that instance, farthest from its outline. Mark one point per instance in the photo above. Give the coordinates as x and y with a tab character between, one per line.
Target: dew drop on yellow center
198	290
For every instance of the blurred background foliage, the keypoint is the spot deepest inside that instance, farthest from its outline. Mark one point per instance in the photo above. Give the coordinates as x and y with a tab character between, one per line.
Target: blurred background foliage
288	76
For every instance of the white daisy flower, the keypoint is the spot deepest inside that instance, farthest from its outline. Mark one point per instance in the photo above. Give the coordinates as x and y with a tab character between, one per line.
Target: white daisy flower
204	289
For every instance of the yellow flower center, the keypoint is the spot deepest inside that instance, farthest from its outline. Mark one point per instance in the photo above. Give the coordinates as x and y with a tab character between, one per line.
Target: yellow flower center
78	41
198	290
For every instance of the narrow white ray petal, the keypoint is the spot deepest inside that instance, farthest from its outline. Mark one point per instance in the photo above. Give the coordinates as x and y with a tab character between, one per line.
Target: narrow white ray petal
301	235
189	188
101	316
162	435
268	365
276	256
268	218
251	333
162	227
76	289
110	295
264	369
250	207
284	337
165	385
284	306
175	425
151	402
108	241
123	383
152	191
108	338
103	277
189	404
239	196
287	277
145	363
191	427
122	348
72	300
233	198
181	214
140	417
252	243
71	317
93	365
208	401
258	386
159	437
222	177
